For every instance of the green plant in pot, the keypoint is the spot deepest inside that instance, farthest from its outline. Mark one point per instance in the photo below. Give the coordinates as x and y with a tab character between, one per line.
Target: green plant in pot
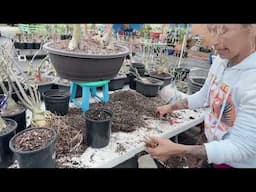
26	92
91	58
161	69
11	110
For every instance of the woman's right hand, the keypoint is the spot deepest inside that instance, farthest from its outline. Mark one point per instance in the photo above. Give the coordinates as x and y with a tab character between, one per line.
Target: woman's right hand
164	109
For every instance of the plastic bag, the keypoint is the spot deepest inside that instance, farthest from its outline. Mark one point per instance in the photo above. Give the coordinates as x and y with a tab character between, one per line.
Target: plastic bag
170	94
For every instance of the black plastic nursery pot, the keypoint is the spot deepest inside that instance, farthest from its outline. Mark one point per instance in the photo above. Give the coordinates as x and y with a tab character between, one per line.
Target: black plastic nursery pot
36	45
196	79
98	132
30	45
23	45
117	83
126	81
138	65
140	68
132	82
67	88
42	88
41	157
65	36
165	77
182	73
16	45
57	101
195	84
82	67
19	45
19	117
149	88
6	155
62	37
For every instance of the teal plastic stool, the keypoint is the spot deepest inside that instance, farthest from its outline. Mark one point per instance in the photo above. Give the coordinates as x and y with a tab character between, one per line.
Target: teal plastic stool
87	88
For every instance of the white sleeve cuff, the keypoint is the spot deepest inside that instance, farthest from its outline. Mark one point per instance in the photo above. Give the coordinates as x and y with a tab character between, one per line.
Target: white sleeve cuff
222	151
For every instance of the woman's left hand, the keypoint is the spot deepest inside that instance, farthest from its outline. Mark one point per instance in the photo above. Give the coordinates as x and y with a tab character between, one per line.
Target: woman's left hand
164	149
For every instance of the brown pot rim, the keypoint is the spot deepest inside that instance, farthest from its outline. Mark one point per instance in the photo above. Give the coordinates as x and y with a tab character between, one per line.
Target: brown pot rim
52	50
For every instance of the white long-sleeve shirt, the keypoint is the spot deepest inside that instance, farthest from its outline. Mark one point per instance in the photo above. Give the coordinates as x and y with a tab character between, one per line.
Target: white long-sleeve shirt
230	125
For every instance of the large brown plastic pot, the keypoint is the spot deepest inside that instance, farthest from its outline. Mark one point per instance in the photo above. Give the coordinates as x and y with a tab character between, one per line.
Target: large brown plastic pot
81	67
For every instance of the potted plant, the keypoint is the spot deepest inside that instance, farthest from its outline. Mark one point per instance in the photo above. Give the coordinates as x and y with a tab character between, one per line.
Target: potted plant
147	86
160	71
39	75
91	59
35	148
7	131
30	98
12	110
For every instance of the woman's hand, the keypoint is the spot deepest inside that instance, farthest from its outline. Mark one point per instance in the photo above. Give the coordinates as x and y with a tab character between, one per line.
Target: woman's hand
164	109
169	108
163	148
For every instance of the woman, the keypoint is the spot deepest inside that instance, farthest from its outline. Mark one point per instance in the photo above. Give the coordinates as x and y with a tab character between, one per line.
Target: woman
230	94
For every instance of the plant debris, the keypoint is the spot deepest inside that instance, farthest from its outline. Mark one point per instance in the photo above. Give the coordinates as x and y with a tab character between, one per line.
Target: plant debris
129	109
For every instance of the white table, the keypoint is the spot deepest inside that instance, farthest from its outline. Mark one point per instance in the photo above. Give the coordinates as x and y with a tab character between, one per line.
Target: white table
133	142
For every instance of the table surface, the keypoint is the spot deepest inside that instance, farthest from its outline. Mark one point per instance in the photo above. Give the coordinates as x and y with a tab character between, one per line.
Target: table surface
123	146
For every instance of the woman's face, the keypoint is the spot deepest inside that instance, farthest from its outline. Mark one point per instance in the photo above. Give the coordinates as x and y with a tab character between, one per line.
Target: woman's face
230	40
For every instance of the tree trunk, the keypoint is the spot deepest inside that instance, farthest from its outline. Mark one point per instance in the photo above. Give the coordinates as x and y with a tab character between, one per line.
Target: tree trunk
108	34
74	43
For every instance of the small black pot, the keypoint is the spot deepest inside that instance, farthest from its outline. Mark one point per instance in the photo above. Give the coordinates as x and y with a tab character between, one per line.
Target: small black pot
117	83
6	155
43	88
98	131
138	65
67	88
20	118
69	36
57	101
148	89
65	36
132	82
126	81
140	68
40	158
62	37
182	72
36	45
30	45
165	77
17	45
